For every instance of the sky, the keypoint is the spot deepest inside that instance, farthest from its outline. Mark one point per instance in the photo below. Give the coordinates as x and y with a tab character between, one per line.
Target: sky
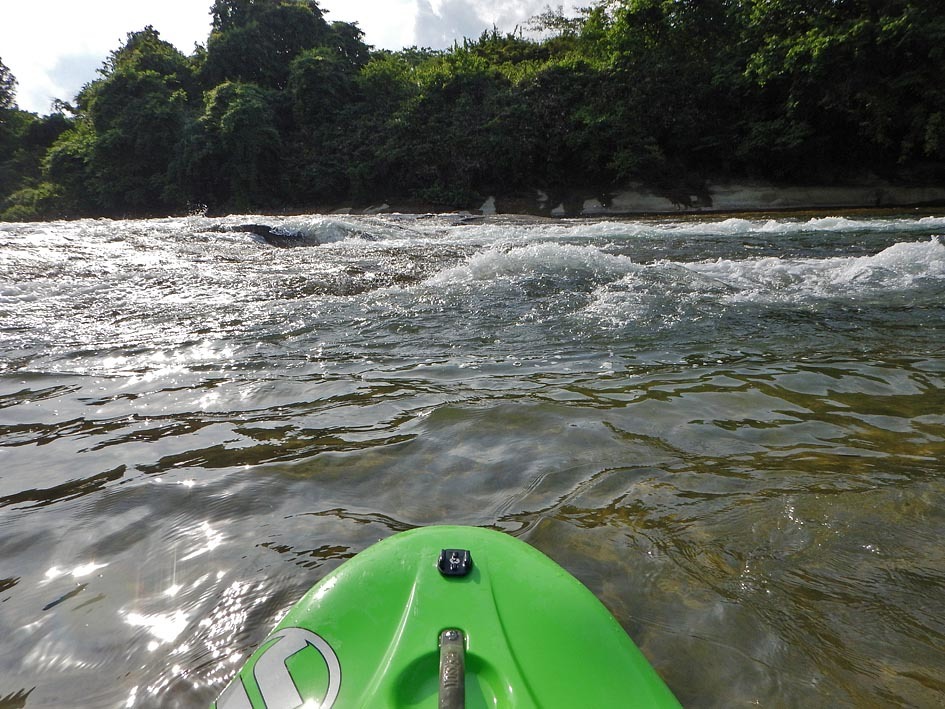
54	47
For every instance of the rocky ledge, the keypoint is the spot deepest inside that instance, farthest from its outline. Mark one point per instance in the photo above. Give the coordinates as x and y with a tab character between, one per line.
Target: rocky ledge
637	199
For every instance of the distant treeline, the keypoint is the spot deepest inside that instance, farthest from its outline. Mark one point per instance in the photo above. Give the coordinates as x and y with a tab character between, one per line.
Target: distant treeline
283	108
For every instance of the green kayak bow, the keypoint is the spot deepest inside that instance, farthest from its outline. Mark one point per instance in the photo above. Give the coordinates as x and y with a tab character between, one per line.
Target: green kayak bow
447	617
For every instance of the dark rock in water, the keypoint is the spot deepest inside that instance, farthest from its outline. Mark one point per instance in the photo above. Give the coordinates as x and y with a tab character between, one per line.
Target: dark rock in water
258	229
270	235
288	241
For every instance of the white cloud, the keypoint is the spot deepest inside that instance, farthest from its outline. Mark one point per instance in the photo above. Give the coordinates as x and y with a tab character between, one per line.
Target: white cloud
63	80
453	20
441	22
387	24
39	38
507	14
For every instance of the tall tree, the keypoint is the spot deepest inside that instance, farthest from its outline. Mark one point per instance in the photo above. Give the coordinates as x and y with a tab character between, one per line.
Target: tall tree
136	113
7	87
255	41
856	80
240	155
11	128
678	62
229	14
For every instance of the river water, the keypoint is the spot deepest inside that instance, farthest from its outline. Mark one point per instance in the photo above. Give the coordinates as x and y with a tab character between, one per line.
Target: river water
731	430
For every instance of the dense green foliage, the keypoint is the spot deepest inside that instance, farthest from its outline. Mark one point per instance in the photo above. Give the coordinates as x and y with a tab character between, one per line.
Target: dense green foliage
283	108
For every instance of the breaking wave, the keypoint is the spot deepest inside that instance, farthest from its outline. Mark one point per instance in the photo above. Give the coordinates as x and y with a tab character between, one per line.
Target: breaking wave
734	226
898	267
895	268
536	260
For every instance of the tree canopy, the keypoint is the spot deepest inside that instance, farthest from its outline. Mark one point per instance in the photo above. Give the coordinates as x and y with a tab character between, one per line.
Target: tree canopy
281	107
7	87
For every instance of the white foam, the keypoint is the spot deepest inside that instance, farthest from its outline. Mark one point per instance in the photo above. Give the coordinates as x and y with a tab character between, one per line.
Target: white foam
535	259
660	294
898	267
322	230
401	230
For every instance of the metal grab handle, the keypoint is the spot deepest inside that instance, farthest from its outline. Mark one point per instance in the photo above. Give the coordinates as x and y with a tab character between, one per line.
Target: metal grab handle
452	669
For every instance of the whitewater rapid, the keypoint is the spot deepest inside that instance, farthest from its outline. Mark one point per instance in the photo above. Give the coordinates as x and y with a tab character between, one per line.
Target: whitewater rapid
730	429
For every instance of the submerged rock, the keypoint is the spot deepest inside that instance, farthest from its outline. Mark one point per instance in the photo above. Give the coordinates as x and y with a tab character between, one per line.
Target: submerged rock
270	235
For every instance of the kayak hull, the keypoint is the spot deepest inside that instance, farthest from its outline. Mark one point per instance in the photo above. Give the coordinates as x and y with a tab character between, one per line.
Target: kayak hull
367	635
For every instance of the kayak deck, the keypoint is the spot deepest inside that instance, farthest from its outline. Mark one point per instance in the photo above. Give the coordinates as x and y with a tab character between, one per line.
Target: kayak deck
369	633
